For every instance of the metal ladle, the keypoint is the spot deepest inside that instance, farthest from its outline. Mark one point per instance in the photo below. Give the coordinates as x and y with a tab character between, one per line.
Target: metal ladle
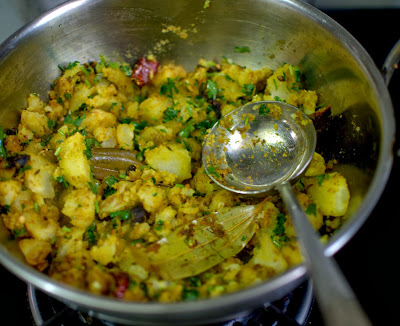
264	147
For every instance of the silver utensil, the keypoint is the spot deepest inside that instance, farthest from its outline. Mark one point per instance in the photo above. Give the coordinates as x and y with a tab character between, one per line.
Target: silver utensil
264	147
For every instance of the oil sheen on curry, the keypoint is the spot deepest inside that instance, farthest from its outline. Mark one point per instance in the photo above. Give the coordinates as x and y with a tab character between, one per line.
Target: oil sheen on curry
154	227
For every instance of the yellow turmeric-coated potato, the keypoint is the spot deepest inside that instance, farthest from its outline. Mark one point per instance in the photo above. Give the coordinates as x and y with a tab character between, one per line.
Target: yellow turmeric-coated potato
73	162
330	192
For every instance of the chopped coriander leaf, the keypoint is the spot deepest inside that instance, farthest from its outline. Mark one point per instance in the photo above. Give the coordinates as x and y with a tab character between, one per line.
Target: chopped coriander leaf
88	83
67	96
58	150
140	240
51	123
263	110
19	232
26	167
111	180
3	152
85	71
242	49
75	122
61	179
98	78
94	186
212	89
140	125
126	69
123	215
90	143
190	294
275	84
71	65
321	178
45	140
168	88
36	207
66	229
279	237
96	206
126	120
169	115
205	124
311	209
213	170
91	234
179	185
248	89
187	130
194	281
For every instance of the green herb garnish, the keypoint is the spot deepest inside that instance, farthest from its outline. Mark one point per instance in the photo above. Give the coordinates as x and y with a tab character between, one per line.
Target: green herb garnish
168	88
3	152
123	215
212	89
242	49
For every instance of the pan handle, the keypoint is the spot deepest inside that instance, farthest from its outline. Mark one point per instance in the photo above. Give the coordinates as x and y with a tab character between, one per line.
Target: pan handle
391	63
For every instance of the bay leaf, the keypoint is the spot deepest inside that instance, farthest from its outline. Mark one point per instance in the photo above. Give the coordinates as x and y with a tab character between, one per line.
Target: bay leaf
193	248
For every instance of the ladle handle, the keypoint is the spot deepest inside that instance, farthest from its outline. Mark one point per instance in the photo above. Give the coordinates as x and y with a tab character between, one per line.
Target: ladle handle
338	303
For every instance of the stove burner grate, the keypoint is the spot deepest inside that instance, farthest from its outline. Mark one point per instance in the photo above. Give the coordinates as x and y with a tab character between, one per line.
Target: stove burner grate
292	310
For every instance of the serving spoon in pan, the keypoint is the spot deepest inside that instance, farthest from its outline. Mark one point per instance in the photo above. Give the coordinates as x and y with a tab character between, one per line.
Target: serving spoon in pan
264	147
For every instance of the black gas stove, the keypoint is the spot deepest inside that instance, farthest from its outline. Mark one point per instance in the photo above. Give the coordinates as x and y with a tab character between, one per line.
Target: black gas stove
368	261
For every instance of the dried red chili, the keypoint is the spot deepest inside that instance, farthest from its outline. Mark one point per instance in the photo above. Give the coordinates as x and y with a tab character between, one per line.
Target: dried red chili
122	284
144	71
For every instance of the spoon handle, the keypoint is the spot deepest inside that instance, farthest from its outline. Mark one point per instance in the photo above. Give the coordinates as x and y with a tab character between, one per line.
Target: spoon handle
338	303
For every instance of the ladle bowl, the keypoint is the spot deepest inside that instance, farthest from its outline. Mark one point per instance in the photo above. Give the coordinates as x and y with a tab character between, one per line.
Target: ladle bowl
258	146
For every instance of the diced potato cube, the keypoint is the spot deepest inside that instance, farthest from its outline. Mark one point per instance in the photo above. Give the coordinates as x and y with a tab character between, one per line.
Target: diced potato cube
330	192
311	209
35	104
285	85
35	252
36	122
79	206
168	71
223	198
120	79
125	135
9	191
41	228
152	109
268	255
202	183
80	96
153	198
39	178
316	167
104	252
106	136
74	162
98	118
125	197
176	160
165	221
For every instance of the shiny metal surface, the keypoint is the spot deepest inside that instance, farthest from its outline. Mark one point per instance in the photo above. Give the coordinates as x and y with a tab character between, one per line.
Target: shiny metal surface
258	146
276	31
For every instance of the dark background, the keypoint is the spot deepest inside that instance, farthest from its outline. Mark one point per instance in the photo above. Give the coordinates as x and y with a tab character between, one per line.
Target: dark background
370	259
